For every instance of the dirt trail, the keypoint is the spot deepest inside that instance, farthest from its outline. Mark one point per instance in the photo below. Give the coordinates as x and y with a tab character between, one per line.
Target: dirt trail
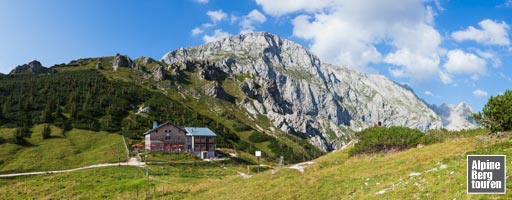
131	162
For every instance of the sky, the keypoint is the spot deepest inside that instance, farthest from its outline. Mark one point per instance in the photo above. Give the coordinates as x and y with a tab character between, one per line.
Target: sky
447	51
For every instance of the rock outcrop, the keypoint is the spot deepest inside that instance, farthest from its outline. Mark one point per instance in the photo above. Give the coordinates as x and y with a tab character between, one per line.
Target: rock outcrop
213	89
250	89
33	67
121	61
145	61
144	109
301	94
159	73
99	65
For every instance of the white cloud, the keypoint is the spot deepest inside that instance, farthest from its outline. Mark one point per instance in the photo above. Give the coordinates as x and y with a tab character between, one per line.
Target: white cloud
349	33
438	5
504	76
202	1
474	77
217	35
233	18
282	7
196	31
217	16
429	93
490	33
417	66
445	77
480	93
508	3
491	56
256	16
460	62
248	21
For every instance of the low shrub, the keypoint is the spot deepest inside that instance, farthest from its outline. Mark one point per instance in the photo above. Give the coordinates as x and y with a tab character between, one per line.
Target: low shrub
381	139
258	137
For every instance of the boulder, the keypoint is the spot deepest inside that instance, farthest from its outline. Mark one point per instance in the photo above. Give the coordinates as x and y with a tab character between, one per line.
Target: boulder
121	61
159	73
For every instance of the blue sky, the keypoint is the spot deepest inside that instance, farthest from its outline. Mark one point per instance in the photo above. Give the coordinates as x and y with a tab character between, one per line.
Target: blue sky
448	51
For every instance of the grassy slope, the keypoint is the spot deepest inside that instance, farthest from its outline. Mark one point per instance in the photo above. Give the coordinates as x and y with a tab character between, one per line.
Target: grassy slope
177	180
334	176
77	148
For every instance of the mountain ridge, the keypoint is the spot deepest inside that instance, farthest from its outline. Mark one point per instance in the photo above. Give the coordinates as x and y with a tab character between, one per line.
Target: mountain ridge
274	77
305	95
456	117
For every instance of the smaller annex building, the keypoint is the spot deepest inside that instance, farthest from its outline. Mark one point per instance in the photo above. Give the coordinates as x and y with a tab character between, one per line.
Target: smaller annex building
168	137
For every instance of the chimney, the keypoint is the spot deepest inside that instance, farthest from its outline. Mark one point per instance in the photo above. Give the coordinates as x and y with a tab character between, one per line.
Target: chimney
155	124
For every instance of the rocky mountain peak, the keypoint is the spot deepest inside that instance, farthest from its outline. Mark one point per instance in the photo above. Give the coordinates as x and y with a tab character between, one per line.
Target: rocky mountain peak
456	117
33	67
301	94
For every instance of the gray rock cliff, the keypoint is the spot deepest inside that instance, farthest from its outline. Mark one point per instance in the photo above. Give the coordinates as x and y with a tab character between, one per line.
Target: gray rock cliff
33	67
121	61
159	73
301	94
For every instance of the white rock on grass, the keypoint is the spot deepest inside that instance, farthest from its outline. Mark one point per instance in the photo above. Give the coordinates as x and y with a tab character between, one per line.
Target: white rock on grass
413	174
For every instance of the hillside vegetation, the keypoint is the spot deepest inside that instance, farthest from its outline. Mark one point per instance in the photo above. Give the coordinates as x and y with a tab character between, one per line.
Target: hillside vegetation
77	95
436	171
75	148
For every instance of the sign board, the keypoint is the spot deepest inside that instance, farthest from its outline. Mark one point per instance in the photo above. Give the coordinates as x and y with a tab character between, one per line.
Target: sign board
258	153
486	174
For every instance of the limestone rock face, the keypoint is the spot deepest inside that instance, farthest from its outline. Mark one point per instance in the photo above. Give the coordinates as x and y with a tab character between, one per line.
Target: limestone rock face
33	67
121	61
214	90
302	95
159	73
146	61
99	65
250	89
144	109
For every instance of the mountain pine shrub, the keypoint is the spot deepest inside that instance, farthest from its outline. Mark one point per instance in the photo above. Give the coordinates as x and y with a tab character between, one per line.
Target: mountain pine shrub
381	139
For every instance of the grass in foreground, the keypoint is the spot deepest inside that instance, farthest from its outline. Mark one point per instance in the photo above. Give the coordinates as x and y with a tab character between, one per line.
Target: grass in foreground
441	169
77	148
377	176
165	181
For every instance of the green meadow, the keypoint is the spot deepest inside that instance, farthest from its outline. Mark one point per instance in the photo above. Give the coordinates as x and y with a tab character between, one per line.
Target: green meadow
434	171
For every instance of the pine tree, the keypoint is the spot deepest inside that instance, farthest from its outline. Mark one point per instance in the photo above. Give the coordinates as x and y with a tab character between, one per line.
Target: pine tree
497	113
46	131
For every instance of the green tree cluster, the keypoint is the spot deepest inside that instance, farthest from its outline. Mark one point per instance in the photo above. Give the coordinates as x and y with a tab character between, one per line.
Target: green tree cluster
20	134
46	132
86	99
497	113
